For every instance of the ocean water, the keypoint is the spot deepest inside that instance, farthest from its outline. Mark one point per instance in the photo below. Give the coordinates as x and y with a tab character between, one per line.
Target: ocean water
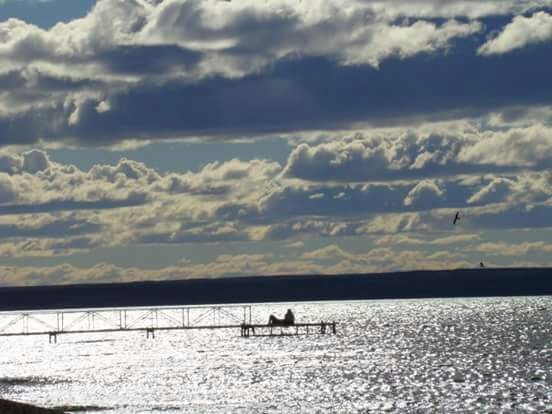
480	355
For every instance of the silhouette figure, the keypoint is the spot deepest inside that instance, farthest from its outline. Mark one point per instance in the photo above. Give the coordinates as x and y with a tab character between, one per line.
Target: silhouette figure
289	319
481	264
456	217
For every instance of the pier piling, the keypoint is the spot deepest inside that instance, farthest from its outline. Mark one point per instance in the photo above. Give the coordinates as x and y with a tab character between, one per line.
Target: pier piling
247	330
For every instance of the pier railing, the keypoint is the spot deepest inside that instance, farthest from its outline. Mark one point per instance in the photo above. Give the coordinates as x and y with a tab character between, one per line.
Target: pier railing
149	320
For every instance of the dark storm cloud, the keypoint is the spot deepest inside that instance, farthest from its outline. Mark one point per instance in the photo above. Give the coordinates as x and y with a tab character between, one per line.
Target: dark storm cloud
32	97
315	93
148	59
217	106
27	127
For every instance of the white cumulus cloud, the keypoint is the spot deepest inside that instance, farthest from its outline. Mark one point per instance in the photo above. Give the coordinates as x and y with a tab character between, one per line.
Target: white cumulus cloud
521	32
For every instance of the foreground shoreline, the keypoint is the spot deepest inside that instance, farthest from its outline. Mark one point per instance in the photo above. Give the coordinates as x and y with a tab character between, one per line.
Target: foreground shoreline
14	407
289	288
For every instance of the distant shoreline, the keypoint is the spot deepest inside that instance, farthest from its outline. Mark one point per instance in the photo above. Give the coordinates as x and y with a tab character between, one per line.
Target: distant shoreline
290	288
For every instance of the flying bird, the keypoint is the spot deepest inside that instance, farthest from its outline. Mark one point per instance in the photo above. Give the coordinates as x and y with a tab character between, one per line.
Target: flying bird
456	217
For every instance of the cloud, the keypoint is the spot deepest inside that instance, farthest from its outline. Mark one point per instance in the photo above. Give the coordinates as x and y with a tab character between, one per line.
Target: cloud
233	68
497	190
47	247
228	69
30	162
39	185
207	233
521	32
287	98
406	41
513	216
376	260
455	8
522	147
327	253
400	154
426	193
336	209
7	192
309	227
296	245
510	249
64	226
334	226
329	259
61	208
198	39
34	161
129	202
439	241
253	34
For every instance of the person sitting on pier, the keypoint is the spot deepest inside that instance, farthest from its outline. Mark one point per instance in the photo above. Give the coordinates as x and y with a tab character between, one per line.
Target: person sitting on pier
289	319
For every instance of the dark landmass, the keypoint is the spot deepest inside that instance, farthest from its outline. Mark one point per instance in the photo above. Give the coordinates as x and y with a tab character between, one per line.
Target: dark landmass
12	407
415	284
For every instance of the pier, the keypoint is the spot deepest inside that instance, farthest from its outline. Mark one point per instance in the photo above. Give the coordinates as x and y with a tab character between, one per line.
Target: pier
53	323
284	330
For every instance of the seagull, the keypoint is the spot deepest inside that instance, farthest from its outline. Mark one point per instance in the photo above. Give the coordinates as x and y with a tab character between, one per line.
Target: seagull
456	217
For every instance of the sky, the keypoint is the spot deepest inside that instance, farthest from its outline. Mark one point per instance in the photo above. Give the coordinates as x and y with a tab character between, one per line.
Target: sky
176	139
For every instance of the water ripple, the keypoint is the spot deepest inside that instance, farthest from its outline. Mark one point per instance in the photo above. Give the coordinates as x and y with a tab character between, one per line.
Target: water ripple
402	356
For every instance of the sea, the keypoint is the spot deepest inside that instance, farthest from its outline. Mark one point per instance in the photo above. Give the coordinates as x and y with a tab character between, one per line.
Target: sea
461	355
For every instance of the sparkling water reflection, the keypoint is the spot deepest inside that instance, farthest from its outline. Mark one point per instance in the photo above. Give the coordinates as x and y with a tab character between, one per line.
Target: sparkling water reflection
439	355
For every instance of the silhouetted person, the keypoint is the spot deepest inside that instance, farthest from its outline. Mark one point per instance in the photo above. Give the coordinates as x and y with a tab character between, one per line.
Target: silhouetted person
289	319
456	217
481	265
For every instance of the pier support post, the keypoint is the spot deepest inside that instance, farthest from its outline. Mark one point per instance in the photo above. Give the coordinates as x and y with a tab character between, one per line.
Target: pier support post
333	328
245	330
52	336
150	331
